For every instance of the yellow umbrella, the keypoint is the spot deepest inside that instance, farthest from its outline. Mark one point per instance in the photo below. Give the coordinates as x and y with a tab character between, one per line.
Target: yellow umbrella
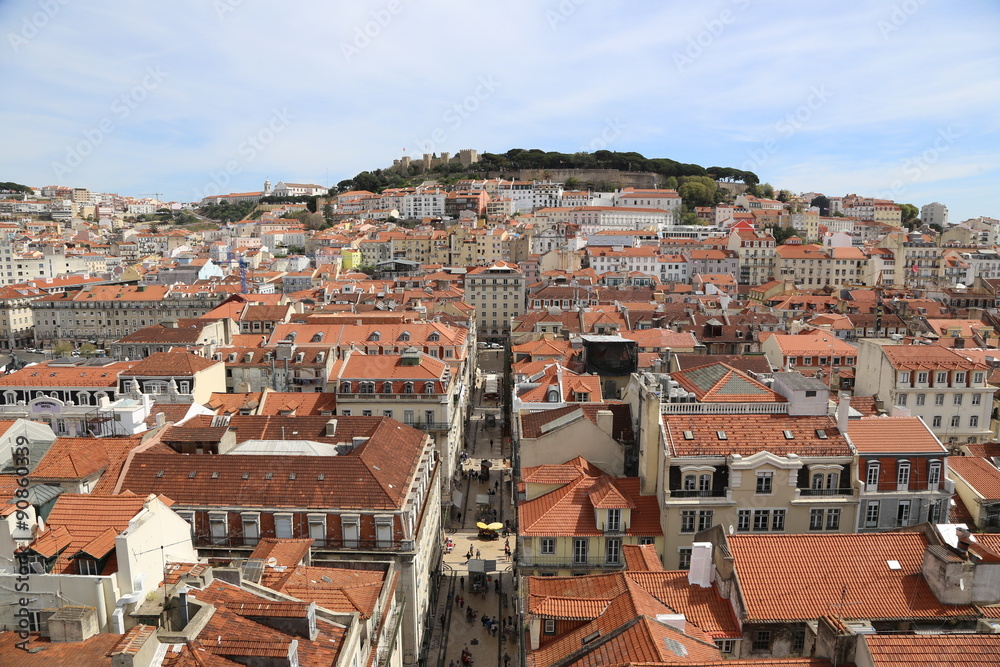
482	525
495	526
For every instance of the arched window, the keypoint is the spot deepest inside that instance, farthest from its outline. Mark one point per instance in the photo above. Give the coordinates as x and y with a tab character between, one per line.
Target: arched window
428	387
690	482
871	479
387	387
408	388
345	387
10	397
82	398
934	476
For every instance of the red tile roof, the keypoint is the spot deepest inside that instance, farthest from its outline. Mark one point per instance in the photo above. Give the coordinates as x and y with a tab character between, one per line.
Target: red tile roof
49	375
895	435
533	423
804	577
978	473
92	652
721	383
917	357
569	510
164	364
906	650
341	590
747	435
286	552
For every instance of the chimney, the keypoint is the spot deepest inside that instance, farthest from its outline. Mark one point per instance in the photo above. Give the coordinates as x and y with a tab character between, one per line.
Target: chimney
73	624
182	596
605	421
702	568
331	428
161	419
843	411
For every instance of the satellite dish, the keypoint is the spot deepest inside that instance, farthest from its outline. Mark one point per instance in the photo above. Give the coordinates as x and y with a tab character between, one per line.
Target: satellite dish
272	561
731	529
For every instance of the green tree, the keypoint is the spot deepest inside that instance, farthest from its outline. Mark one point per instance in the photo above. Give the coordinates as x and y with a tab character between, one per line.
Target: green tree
767	191
690	218
784	196
780	234
328	213
572	183
87	349
910	213
63	348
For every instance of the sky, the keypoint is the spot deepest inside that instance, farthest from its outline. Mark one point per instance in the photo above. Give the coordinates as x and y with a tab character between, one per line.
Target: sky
189	98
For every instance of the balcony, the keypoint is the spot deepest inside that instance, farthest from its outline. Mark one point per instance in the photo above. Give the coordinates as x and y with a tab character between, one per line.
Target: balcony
566	562
430	426
706	493
240	542
723	408
826	492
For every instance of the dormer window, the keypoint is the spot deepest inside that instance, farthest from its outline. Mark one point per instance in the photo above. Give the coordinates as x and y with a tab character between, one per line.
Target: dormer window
386	387
408	388
317	337
405	336
345	387
375	336
434	337
428	387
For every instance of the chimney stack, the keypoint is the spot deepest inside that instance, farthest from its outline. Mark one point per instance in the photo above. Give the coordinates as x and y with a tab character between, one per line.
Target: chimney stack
843	411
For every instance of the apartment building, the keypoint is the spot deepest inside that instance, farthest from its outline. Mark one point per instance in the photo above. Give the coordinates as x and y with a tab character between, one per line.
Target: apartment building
903	468
16	319
934	214
108	312
947	391
755	250
592	219
497	292
812	266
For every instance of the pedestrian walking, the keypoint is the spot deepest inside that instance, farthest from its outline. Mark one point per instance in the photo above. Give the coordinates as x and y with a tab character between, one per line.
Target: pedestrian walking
461	583
496	485
450	595
478	554
460	517
506	660
442	620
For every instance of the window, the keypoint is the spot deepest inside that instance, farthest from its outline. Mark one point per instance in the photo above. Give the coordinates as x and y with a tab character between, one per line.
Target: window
978	378
960	377
934	512
684	558
764	480
957	399
933	476
726	646
903	513
283	526
871	514
761	519
550	626
761	641
778	520
799	641
317	529
871	480
904	377
86	566
938	399
901	399
942	378
816	519
705	519
383	532
351	524
704	482
977	399
920	398
580	551
548	545
613	551
956	421
936	421
251	528
922	377
833	519
689	482
743	520
903	474
687	521
218	527
646	540
614	519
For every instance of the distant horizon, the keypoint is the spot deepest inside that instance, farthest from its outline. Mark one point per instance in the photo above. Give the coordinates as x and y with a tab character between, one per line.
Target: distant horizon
892	99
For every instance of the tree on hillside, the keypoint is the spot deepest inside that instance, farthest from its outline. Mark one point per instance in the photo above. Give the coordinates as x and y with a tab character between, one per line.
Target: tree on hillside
780	234
910	213
823	204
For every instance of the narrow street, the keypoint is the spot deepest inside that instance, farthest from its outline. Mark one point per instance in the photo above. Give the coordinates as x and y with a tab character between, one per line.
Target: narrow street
454	629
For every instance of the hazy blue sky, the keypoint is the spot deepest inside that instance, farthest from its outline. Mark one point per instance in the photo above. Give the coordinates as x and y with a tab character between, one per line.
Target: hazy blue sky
895	99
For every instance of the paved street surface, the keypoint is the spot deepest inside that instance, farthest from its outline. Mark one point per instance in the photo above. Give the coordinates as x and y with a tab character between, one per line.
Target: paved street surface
457	631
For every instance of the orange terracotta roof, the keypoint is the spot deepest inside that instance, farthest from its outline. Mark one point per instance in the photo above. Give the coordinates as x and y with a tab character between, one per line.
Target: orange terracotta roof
907	650
914	357
49	375
341	590
721	383
977	473
749	434
286	552
164	364
641	558
846	572
91	652
907	435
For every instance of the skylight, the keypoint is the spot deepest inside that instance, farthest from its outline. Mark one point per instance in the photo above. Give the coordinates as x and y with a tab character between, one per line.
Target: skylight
789	435
722	435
